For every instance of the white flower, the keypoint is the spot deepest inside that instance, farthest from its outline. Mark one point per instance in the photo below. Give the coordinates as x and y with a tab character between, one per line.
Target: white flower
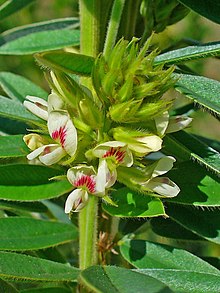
115	151
161	185
166	124
63	132
41	108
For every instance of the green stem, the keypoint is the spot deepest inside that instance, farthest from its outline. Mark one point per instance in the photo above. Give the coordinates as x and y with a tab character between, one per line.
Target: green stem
89	45
113	26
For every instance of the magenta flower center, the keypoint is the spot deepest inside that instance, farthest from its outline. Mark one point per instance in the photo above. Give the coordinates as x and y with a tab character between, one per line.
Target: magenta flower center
86	181
117	153
60	135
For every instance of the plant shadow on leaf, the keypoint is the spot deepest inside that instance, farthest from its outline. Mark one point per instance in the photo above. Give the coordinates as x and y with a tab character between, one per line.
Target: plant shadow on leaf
197	188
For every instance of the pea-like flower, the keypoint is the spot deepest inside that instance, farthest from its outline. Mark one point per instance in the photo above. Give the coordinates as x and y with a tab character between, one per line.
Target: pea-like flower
86	182
63	132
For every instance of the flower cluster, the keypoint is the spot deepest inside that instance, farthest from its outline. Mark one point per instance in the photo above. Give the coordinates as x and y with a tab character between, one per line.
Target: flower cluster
108	134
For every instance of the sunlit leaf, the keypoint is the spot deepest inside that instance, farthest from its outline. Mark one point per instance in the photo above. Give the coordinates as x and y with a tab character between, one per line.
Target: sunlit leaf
34	269
11	6
189	53
67	62
19	234
202	90
41	41
133	204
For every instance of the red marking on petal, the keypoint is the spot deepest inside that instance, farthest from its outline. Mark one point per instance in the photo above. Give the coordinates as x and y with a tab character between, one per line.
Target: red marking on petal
60	135
46	150
86	181
115	152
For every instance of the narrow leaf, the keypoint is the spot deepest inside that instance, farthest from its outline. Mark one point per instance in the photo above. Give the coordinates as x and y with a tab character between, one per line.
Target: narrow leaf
20	234
204	223
34	269
18	87
196	149
41	41
210	9
133	204
56	289
149	255
196	186
54	24
11	6
189	53
203	91
111	279
67	62
12	146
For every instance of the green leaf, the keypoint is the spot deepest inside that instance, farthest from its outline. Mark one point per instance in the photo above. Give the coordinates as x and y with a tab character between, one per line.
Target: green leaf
25	174
11	6
144	254
12	127
47	290
210	9
37	207
195	148
67	62
30	183
12	146
170	229
185	281
205	223
7	288
196	186
15	110
17	87
21	234
41	41
189	53
34	269
133	204
203	91
111	279
54	24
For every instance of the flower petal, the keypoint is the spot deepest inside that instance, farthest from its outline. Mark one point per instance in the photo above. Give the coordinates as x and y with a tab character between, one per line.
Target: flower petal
52	154
177	123
163	186
75	173
37	106
54	102
163	165
76	200
162	122
146	144
62	130
105	178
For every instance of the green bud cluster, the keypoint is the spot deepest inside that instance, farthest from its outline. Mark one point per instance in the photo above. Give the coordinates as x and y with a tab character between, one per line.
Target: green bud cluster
129	85
158	14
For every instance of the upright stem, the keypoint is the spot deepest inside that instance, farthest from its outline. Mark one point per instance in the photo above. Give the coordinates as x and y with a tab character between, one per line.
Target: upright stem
113	25
89	44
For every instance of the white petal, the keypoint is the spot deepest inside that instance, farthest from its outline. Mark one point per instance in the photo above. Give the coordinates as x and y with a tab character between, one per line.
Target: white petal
146	144
76	200
54	153
162	123
75	173
163	165
54	102
36	153
104	178
163	186
101	149
37	100
177	123
62	130
36	110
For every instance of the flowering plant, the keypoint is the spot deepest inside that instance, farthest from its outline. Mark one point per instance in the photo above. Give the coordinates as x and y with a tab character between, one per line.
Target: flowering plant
106	155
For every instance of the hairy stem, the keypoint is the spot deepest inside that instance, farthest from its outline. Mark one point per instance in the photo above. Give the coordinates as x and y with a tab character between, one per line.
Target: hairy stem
89	45
113	25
